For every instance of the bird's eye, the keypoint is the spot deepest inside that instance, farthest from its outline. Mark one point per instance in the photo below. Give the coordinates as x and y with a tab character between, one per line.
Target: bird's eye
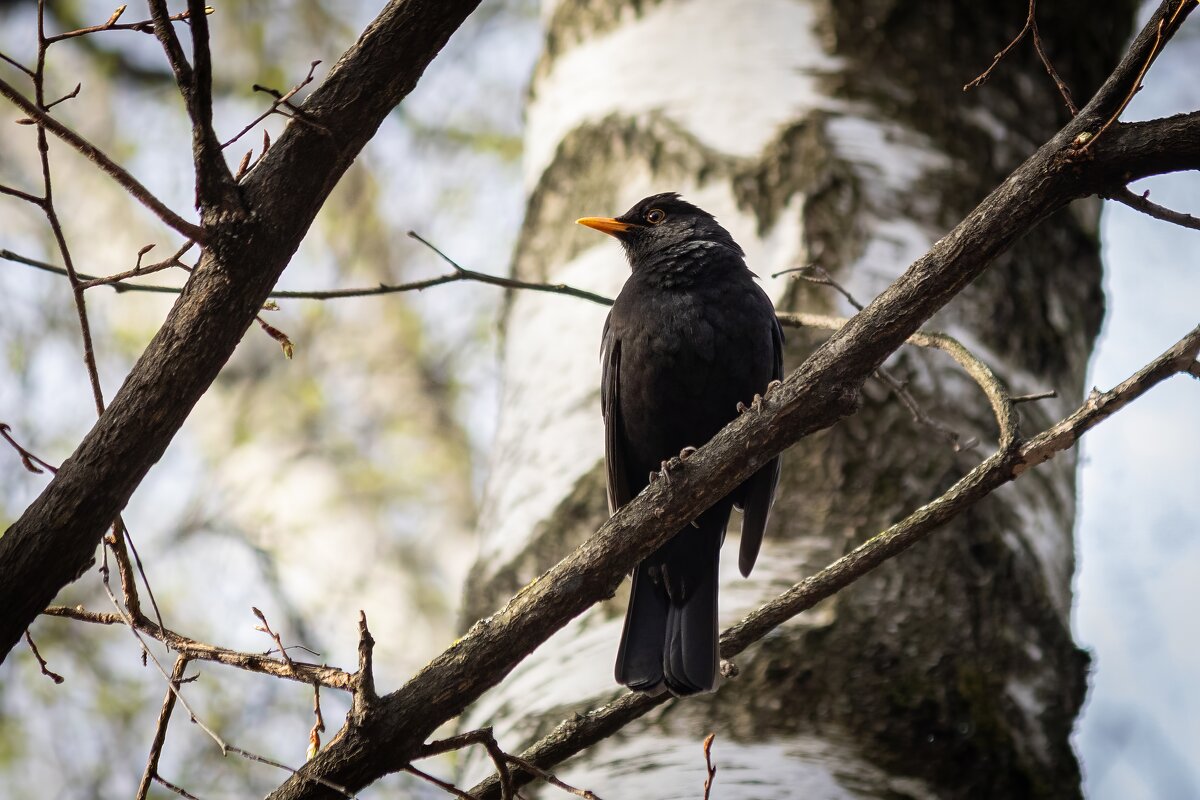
655	215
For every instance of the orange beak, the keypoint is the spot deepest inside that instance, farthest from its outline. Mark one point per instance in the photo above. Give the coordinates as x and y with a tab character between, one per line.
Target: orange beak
604	224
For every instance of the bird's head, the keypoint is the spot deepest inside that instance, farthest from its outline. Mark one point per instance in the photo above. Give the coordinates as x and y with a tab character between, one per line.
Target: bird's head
666	229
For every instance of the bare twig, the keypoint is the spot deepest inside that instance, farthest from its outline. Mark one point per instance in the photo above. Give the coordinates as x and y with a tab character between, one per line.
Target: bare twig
445	786
1030	27
17	64
266	628
143	26
814	273
485	737
1030	398
28	459
51	213
173	688
329	677
462	273
20	195
166	784
549	778
459	274
709	767
106	164
1141	202
82	614
71	95
87	282
280	99
160	730
314	735
54	676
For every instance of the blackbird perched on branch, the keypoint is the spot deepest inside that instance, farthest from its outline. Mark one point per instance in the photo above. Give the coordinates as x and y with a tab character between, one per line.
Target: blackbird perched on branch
690	338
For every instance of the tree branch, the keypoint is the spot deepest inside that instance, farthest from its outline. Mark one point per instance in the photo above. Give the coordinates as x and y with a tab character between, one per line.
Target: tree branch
1142	202
299	671
579	732
459	274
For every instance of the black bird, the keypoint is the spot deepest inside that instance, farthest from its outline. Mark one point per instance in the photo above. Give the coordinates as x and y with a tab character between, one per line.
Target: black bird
689	338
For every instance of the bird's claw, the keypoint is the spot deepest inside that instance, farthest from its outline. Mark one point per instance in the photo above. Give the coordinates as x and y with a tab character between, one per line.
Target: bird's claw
757	402
686	453
772	386
742	408
665	466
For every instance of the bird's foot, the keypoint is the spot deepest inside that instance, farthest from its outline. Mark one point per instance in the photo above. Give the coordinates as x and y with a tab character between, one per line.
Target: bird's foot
664	473
742	408
756	403
686	453
772	386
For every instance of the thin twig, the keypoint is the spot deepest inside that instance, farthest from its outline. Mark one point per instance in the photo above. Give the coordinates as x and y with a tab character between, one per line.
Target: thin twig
71	95
329	677
460	274
1030	398
814	273
81	614
20	195
54	676
466	274
1029	27
166	784
160	730
487	738
550	778
314	735
445	786
171	261
709	767
266	628
280	99
28	459
106	164
225	748
1141	202
13	62
144	26
48	208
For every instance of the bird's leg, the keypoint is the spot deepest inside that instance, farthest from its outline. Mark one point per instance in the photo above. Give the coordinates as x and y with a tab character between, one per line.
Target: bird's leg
665	467
756	403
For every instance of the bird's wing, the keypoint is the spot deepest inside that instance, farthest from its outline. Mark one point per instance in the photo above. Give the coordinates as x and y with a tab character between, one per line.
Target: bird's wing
610	393
758	492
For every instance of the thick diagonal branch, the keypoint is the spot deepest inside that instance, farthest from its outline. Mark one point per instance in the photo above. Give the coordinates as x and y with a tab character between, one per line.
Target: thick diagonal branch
581	731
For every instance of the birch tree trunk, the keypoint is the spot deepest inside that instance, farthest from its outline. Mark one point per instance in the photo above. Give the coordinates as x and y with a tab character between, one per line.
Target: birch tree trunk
834	134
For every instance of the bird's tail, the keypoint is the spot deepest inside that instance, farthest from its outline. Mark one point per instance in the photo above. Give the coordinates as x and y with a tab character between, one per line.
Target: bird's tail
670	635
640	656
